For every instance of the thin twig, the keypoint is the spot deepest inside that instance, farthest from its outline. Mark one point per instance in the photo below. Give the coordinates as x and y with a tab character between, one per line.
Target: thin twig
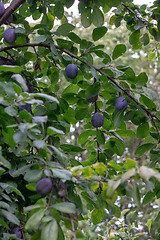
73	229
131	11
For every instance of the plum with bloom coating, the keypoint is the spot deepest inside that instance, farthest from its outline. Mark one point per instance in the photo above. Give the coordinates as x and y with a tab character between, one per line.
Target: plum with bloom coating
17	232
44	186
120	103
71	71
9	35
2	9
97	120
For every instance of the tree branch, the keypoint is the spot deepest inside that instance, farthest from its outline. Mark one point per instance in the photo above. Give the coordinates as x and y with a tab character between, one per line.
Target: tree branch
14	5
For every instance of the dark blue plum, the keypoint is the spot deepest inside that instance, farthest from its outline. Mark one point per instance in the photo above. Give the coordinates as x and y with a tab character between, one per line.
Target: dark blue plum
9	35
17	232
97	120
2	9
120	103
71	71
44	186
26	107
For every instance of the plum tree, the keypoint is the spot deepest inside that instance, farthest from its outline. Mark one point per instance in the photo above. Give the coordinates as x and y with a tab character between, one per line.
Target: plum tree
71	71
120	103
9	35
26	107
17	232
97	120
92	99
2	9
44	186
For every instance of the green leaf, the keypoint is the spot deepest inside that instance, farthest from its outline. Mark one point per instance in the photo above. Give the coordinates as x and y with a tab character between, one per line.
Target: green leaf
130	163
98	33
71	148
145	39
144	148
97	216
134	37
113	3
17	192
33	175
116	145
149	223
53	48
151	94
3	224
41	38
100	168
4	162
48	97
65	28
60	155
136	195
151	105
62	173
126	133
92	90
53	130
112	186
74	37
59	9
83	137
65	207
4	205
141	79
11	111
148	197
20	170
100	137
118	51
50	231
10	216
81	113
143	130
7	68
21	81
39	144
97	17
34	221
117	118
146	173
85	15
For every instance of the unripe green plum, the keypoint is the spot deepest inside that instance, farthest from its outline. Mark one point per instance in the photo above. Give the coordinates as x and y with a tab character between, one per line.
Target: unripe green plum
97	120
9	35
44	186
71	71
